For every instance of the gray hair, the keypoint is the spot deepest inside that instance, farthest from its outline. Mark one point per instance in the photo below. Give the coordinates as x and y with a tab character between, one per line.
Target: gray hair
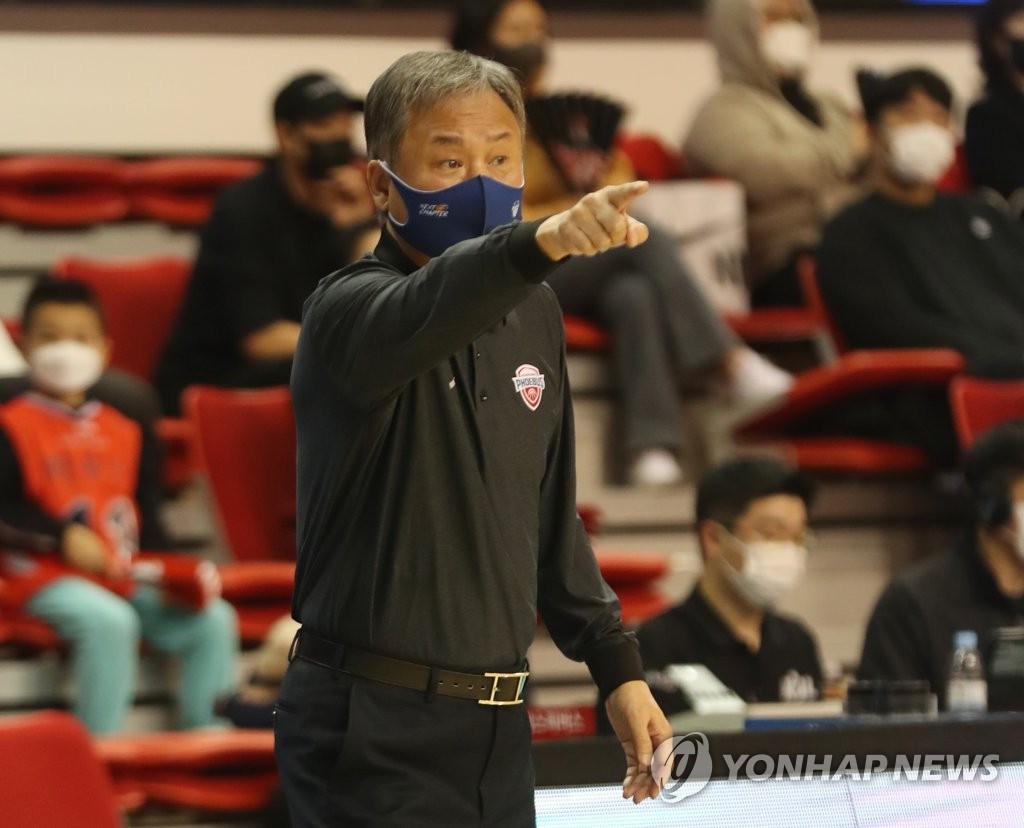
420	80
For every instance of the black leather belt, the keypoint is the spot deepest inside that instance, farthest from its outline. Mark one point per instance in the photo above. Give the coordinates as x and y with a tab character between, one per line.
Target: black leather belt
484	688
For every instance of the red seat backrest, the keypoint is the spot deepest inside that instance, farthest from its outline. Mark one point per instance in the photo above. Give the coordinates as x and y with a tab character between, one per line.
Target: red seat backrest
807	273
51	775
957	179
651	159
140	299
979	405
246	445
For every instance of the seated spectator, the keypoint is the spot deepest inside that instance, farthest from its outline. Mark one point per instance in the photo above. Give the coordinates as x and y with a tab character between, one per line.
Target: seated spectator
994	138
71	505
752	528
977	585
270	240
796	153
665	335
908	267
129	395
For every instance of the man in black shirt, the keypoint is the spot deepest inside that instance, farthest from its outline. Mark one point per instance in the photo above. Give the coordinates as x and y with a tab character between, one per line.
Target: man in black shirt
752	527
436	480
270	240
978	585
908	267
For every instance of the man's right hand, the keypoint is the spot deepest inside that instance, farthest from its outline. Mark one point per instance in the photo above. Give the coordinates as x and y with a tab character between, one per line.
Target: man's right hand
344	197
85	550
595	223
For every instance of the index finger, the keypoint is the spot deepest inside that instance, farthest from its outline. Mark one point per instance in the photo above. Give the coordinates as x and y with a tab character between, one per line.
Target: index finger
620	195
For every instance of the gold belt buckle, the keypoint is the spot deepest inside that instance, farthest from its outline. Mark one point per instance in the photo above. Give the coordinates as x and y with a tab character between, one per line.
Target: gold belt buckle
495	678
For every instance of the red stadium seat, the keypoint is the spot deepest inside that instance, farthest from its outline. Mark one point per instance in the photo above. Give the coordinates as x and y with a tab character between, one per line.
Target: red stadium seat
979	405
758	327
957	179
807	273
581	335
628	569
246	442
651	159
141	299
856	374
50	775
181	191
61	191
225	772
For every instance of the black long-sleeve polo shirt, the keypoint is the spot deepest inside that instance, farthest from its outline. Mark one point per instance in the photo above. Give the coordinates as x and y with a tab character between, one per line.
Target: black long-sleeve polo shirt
436	470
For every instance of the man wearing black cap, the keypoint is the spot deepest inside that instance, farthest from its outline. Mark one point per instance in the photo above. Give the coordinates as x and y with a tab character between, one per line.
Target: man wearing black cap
270	239
752	528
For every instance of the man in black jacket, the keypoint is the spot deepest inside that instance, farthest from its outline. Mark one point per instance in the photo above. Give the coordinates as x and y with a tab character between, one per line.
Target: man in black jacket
978	585
436	480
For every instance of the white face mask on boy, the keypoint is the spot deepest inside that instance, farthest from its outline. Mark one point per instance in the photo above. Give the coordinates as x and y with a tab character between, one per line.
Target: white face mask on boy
65	366
920	153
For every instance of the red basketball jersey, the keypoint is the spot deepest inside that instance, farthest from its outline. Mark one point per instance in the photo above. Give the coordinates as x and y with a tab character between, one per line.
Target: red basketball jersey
78	465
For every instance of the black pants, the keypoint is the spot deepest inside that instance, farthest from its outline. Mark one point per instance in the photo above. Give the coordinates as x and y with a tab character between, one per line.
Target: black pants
353	752
665	334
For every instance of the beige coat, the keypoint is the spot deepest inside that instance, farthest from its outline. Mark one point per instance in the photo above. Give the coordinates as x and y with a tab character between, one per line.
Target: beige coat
795	173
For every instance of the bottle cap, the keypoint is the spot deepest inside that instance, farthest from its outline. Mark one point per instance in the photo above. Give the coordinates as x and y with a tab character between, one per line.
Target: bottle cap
965	639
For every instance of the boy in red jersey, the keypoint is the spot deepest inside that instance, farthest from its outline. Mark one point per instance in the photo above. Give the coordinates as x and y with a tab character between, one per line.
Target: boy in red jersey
69	481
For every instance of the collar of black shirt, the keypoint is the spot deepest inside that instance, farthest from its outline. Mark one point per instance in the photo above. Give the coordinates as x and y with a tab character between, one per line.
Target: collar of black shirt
388	251
721	637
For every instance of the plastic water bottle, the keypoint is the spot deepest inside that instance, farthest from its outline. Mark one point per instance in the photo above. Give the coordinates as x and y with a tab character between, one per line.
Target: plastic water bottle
967	691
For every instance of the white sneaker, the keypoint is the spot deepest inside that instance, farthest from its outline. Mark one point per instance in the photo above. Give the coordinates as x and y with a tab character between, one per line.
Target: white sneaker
755	378
655	467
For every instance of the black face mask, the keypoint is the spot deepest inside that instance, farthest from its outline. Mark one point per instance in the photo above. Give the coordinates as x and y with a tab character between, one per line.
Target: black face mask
525	60
1017	53
325	155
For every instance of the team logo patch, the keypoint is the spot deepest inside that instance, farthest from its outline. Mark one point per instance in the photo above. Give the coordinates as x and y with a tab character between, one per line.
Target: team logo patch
529	384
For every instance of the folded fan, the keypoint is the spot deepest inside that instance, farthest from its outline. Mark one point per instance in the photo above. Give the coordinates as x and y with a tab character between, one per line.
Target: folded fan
578	131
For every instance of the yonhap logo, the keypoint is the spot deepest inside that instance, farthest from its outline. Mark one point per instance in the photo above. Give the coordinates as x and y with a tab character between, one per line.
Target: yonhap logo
682	766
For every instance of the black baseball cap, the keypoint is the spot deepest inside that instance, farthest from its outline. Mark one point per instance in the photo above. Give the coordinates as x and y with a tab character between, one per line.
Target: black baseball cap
310	96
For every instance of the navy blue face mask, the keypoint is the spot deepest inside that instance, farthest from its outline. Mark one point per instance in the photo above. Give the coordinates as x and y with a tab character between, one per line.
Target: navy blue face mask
441	218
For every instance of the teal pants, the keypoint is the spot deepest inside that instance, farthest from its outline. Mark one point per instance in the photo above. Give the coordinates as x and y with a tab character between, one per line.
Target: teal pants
103	631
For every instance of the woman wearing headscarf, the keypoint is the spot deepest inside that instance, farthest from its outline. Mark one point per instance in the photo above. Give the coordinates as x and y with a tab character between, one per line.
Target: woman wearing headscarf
665	336
795	153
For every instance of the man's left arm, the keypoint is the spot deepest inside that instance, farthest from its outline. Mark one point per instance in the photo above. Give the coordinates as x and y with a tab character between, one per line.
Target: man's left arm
583	615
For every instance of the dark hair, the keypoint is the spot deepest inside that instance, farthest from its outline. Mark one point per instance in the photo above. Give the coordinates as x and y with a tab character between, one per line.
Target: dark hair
50	291
471	29
987	26
725	492
995	460
881	92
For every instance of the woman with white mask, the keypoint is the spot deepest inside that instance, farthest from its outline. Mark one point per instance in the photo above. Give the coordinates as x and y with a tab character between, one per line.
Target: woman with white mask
752	529
797	154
